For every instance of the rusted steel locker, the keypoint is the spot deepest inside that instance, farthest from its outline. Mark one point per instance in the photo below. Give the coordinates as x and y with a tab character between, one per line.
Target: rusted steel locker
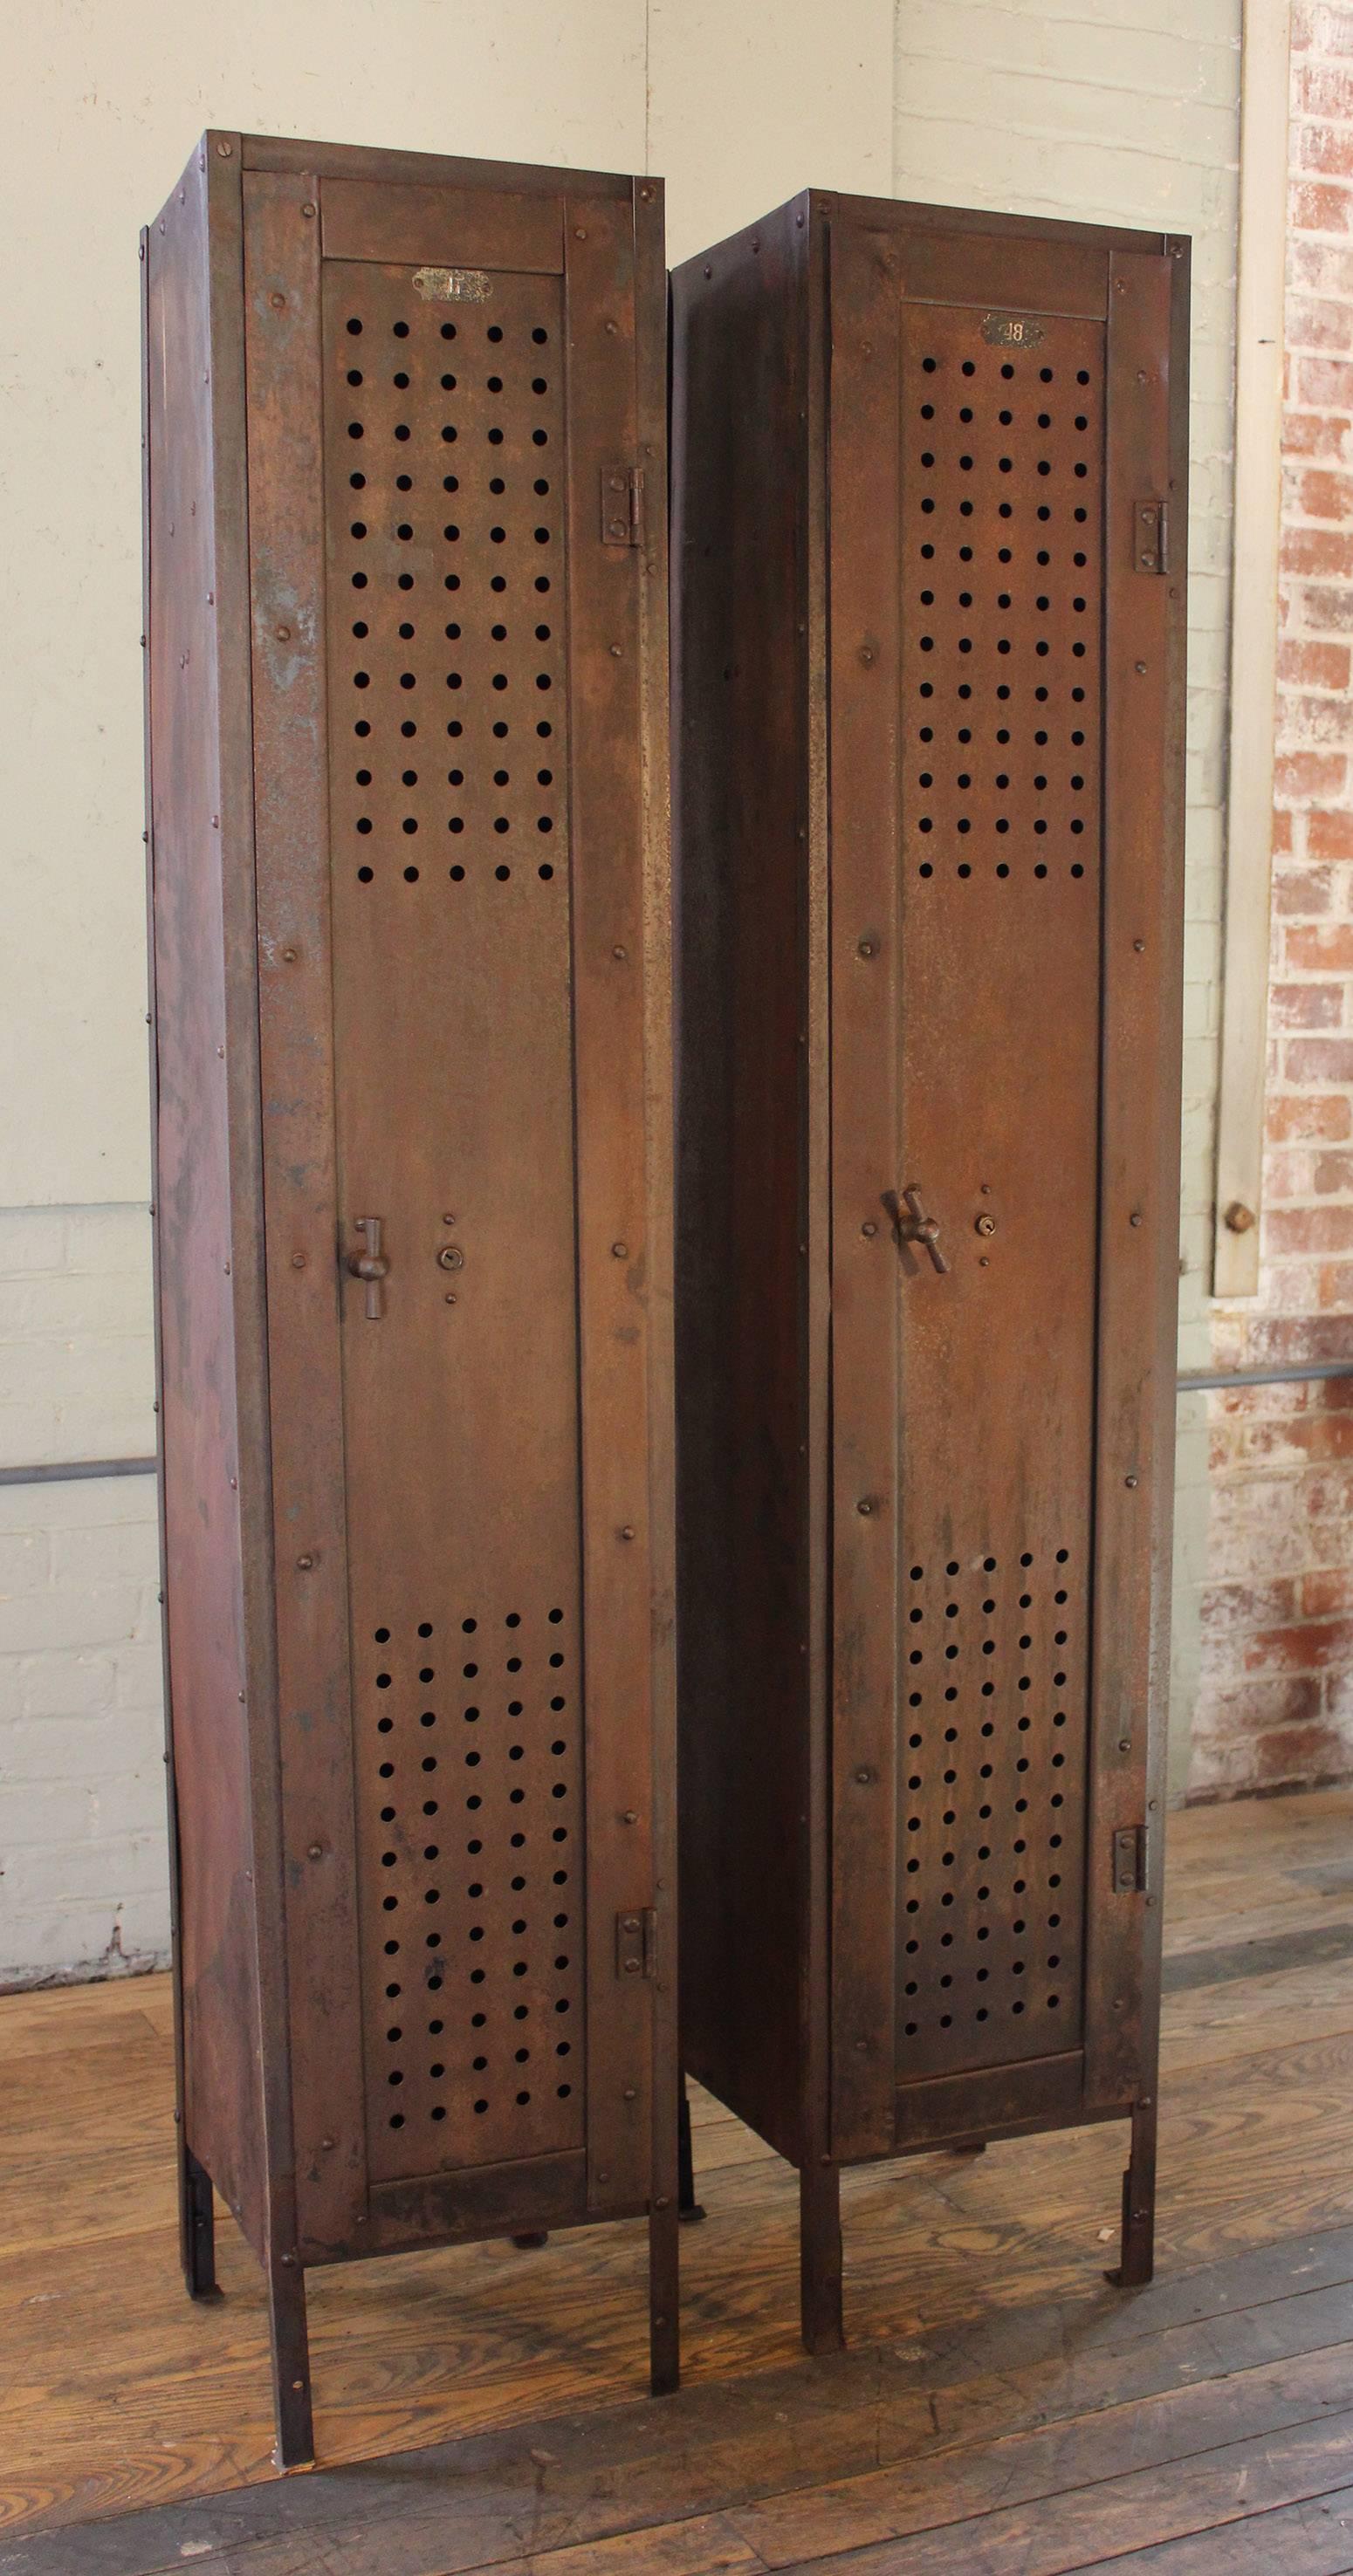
928	548
410	908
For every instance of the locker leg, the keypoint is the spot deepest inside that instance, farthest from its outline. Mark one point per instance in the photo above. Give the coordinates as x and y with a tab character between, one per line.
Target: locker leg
1139	2203
820	2258
664	2300
197	2226
688	2207
295	2446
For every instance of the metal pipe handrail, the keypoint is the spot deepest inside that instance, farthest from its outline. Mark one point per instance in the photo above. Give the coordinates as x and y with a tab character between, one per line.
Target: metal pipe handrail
1189	1382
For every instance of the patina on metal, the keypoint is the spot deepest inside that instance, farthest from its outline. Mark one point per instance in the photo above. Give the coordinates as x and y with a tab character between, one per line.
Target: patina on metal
929	691
410	909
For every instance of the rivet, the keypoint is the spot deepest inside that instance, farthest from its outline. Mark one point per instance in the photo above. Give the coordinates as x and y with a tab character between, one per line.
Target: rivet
869	1226
1139	666
620	1251
611	326
289	956
221	1051
708	270
233	1482
580	234
297	2384
799	221
986	1189
662	2203
211	599
1130	1482
304	1564
450	1297
631	2093
298	1261
647	195
615	652
864	1776
866	653
327	2142
224	149
307	211
449	1219
1125	1744
982	1261
1140	946
864	1506
865	948
277	302
216	822
628	1530
316	1850
1136	1217
621	954
862	2048
631	1816
284	634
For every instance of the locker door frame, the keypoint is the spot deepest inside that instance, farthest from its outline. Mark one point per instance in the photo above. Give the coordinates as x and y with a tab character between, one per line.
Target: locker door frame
611	262
871	264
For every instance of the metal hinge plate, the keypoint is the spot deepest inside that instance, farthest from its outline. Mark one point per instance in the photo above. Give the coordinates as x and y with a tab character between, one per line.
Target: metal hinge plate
622	505
1129	1860
636	1942
1150	536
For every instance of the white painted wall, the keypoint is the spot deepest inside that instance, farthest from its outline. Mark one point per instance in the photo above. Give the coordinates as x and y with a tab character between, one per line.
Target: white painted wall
1119	108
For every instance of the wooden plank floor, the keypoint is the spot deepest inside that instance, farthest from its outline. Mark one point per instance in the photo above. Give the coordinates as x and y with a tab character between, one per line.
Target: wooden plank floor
1001	2412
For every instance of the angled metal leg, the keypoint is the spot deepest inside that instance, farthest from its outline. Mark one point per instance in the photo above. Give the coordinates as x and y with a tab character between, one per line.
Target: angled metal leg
664	2299
820	2258
688	2207
197	2226
295	2446
1139	2203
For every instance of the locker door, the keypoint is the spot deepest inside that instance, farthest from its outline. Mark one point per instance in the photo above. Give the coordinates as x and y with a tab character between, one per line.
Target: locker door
968	1046
471	363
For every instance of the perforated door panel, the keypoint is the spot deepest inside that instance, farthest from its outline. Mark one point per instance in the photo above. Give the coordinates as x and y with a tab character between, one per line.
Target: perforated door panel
444	441
967	570
999	1125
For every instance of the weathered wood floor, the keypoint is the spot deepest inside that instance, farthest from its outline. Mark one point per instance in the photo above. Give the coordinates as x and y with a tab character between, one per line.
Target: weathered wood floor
1002	2412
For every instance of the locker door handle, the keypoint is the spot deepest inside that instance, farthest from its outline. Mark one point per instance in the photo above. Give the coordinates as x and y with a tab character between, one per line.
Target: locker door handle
917	1227
370	1265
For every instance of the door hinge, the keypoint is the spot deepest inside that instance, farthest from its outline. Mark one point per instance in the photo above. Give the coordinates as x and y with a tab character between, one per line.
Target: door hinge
636	1942
1129	1860
622	505
1150	536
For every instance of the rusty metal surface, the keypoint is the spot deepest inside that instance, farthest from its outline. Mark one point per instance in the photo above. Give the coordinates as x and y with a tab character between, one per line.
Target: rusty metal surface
1146	457
987	1062
448	727
455	1751
208	1374
740	808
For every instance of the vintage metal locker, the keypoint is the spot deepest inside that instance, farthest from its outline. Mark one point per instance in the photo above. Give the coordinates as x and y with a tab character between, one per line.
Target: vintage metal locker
928	574
406	581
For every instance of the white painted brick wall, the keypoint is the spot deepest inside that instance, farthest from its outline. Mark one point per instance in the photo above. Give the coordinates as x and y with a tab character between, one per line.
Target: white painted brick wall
1125	112
83	1865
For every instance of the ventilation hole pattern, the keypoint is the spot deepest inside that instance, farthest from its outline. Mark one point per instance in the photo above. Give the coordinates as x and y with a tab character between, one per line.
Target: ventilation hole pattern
1002	550
471	1866
991	1783
445	464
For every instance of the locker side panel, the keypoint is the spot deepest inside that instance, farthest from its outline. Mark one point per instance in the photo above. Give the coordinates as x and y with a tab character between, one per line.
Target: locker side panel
741	813
210	1348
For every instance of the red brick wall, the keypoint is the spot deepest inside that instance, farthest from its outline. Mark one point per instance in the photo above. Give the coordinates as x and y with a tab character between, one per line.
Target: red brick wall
1276	1702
